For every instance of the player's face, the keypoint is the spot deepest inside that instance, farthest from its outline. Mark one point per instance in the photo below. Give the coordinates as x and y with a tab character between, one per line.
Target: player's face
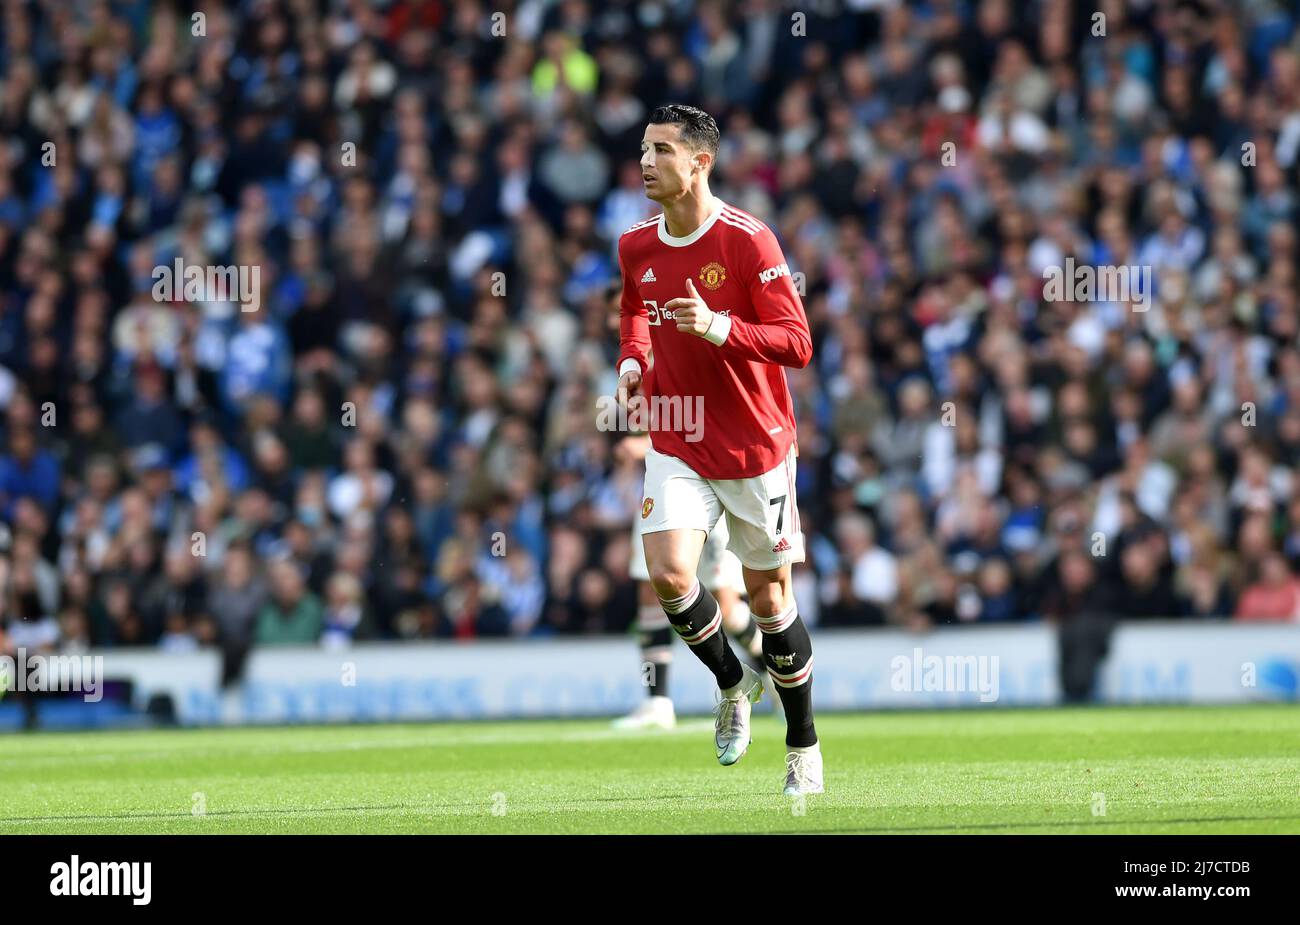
666	163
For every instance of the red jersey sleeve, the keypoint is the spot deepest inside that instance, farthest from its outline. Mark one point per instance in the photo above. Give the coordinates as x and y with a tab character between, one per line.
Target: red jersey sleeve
781	333
634	325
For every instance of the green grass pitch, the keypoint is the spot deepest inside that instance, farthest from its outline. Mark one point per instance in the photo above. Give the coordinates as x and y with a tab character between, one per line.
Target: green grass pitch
1082	770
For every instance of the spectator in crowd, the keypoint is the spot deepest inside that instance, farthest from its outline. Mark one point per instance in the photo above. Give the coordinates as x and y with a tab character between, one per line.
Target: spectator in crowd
1203	580
1275	595
344	617
28	472
1148	588
292	615
870	578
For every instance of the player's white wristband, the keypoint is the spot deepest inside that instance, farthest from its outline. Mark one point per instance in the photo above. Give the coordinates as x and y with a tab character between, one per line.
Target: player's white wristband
719	328
628	365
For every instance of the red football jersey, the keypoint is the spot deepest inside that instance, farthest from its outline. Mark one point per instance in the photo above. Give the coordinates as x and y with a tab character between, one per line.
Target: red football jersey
736	374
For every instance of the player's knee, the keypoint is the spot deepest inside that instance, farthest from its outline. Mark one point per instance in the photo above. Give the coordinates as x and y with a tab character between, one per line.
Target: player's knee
670	581
768	600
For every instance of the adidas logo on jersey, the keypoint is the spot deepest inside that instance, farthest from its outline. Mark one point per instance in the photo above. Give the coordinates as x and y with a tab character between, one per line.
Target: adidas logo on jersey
649	275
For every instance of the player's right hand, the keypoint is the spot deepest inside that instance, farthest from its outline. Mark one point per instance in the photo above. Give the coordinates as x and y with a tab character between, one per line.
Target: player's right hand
629	384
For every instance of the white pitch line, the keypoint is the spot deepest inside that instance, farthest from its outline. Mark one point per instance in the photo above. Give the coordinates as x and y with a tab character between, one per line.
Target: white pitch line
433	740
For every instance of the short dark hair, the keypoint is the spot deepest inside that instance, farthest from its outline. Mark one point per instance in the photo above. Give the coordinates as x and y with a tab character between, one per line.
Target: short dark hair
698	128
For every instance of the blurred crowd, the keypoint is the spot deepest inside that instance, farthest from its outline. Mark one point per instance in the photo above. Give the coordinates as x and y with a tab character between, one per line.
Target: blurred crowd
401	441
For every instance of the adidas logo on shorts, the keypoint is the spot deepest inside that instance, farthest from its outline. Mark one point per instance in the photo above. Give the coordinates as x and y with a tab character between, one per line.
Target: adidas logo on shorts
783	546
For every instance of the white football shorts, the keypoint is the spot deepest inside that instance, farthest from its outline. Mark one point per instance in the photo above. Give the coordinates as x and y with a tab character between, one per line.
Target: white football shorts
719	568
760	513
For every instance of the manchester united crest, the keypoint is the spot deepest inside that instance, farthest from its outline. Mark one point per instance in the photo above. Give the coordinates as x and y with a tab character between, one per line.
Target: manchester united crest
713	275
647	506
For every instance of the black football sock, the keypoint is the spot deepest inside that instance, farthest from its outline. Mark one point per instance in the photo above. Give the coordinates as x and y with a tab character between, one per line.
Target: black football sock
656	638
696	618
787	648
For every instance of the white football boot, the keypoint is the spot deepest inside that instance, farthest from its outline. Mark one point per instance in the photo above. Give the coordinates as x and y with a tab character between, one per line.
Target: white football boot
651	713
731	717
803	770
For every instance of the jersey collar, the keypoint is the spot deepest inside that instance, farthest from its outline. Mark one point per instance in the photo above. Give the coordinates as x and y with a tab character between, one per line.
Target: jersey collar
665	237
